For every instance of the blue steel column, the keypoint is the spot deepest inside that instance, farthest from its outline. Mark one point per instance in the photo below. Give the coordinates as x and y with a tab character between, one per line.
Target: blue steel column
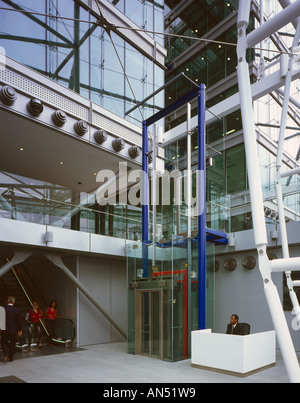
145	199
202	210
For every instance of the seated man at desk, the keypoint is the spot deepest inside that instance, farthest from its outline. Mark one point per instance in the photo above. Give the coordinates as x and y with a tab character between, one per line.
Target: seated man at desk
234	327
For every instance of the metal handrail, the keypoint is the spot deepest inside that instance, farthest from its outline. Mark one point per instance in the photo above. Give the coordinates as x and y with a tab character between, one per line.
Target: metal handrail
70	341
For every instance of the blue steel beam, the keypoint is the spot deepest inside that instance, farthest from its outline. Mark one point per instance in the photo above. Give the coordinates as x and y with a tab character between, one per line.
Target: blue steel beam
145	200
202	211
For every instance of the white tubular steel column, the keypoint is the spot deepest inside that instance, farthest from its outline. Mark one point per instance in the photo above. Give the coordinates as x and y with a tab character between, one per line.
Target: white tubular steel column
280	175
255	188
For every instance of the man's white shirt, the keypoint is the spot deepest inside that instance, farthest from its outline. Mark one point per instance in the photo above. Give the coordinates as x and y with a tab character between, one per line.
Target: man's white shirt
2	318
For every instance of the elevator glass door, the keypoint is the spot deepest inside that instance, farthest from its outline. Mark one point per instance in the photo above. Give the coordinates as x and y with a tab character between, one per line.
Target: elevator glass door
148	323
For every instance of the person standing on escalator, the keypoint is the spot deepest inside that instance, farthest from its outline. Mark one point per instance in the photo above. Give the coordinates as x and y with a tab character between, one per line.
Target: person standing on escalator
50	316
35	329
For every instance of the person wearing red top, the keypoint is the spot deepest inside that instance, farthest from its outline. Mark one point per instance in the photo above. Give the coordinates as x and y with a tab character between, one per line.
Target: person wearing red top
35	330
50	316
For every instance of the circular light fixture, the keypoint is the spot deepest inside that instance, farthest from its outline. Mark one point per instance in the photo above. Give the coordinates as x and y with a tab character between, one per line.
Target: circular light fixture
8	95
59	118
35	107
100	136
81	127
118	144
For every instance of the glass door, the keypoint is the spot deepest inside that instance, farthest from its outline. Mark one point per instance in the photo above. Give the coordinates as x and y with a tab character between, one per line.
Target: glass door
148	323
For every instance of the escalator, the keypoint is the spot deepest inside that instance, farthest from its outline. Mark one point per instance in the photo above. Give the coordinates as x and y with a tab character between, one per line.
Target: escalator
18	283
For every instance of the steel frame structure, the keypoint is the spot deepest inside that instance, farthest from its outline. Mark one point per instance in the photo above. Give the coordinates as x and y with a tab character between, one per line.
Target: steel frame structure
289	14
131	34
199	94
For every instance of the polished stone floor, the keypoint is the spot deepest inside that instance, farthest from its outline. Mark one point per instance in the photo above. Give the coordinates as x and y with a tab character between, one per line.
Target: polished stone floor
110	363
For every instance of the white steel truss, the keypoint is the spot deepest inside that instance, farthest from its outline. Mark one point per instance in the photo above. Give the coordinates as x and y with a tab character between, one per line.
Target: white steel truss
289	14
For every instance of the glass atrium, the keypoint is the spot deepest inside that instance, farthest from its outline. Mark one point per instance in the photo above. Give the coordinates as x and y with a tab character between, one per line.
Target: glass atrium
65	42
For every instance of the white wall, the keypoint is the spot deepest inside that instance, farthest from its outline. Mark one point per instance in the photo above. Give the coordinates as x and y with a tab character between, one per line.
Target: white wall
241	292
106	280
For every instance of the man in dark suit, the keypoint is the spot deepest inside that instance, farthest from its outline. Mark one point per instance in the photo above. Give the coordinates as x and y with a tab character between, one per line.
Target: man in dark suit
234	327
13	329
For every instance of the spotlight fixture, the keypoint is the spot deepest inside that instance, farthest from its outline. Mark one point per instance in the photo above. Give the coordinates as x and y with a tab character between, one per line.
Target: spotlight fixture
8	95
134	152
100	136
118	144
81	127
35	107
59	118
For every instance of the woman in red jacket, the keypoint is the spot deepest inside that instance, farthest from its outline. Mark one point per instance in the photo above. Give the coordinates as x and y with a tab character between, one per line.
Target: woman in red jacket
35	330
50	316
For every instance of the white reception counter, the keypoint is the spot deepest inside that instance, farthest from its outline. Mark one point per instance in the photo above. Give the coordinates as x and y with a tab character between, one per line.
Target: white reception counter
236	355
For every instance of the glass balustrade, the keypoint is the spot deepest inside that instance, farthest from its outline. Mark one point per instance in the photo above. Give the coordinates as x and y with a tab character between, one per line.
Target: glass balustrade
42	203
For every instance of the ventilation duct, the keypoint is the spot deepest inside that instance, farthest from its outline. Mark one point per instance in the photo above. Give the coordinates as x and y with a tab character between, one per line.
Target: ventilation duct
230	264
118	144
35	107
59	118
249	262
100	136
81	127
134	152
8	95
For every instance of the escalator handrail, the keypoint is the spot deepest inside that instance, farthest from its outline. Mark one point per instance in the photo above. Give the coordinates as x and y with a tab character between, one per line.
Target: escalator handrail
73	330
41	320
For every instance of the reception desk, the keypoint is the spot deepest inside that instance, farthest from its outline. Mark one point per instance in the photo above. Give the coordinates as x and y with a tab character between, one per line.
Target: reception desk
235	355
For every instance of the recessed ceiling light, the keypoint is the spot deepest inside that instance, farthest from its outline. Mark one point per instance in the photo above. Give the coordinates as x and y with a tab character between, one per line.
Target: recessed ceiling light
21	149
61	163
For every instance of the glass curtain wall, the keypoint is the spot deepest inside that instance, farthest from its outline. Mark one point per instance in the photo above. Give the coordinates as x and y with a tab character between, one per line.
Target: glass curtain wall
205	64
81	55
228	201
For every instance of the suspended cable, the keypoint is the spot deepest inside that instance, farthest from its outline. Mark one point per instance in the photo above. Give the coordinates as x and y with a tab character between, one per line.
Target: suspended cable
108	31
112	26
